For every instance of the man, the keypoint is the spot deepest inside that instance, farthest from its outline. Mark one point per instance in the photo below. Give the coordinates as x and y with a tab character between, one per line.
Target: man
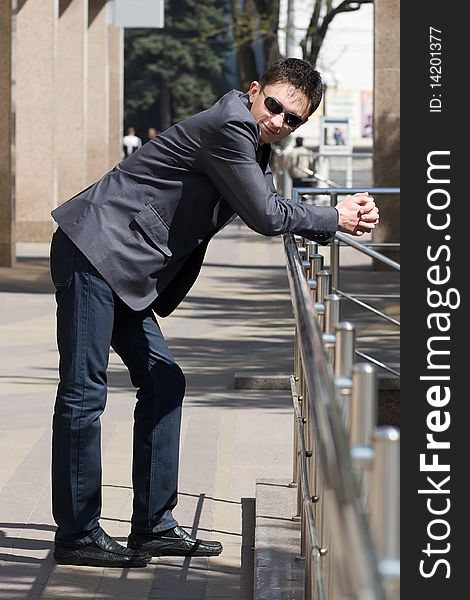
151	133
338	137
132	244
300	164
130	142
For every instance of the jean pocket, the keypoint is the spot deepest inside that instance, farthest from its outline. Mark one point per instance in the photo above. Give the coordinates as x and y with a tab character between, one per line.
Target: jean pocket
62	260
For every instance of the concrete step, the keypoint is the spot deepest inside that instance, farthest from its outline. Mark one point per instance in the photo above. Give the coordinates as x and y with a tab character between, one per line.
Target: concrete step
388	388
278	568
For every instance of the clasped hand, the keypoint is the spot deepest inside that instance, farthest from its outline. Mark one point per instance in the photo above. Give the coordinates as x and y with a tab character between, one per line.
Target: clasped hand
358	214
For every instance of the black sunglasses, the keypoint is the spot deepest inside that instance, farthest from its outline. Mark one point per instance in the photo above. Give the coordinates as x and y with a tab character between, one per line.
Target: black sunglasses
275	107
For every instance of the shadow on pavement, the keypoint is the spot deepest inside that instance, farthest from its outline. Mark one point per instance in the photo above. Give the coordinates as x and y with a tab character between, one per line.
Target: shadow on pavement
29	275
27	577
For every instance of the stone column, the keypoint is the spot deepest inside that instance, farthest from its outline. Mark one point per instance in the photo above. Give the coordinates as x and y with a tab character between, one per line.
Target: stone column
387	119
36	102
98	91
7	135
116	94
72	96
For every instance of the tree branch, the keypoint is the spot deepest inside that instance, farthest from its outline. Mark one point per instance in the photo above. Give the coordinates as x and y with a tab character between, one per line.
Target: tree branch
316	31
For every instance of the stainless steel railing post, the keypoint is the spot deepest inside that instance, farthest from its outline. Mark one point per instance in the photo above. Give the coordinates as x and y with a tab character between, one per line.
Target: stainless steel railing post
323	289
363	420
343	362
332	312
340	556
316	264
384	507
334	249
323	284
303	250
344	354
312	249
334	260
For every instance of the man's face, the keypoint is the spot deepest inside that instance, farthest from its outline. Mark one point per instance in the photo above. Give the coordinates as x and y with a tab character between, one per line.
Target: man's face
273	127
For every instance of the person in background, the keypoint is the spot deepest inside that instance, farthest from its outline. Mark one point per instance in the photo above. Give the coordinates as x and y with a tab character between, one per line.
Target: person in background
338	136
151	133
130	142
300	164
129	248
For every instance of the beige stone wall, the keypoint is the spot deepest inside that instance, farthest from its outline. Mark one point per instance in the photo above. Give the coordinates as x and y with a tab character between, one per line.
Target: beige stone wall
69	104
36	95
116	94
98	91
387	117
71	94
7	135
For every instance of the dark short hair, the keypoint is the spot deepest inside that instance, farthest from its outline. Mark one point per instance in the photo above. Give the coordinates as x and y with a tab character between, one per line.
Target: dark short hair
299	73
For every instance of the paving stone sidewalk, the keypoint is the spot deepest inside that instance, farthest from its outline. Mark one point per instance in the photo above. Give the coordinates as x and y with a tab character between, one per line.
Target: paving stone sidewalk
237	318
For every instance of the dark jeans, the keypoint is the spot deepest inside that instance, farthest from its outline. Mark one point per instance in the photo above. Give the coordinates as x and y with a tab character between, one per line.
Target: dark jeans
90	320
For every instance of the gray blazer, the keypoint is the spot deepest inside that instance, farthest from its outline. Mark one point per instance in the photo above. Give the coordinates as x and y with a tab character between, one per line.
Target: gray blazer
146	224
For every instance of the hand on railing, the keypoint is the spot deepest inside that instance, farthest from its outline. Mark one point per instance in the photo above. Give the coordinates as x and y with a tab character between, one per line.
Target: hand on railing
358	214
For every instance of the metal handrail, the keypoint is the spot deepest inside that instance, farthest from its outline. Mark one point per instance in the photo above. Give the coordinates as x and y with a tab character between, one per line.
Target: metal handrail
341	191
360	567
363	247
334	192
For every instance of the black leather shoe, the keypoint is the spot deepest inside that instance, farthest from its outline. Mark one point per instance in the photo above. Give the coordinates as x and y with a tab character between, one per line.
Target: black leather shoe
104	552
175	542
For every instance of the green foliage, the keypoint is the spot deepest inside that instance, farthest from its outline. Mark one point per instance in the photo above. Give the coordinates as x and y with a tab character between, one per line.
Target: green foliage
174	72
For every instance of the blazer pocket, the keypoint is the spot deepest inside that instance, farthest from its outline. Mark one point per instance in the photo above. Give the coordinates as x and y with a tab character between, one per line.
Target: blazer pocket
155	228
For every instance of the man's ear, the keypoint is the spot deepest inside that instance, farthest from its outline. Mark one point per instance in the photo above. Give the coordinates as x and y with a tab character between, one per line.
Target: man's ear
255	87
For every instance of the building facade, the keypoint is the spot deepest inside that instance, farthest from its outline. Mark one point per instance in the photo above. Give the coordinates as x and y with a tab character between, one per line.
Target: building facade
61	83
61	99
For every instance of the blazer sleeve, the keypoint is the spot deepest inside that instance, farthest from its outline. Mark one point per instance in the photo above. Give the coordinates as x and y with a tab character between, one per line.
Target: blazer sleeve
228	157
268	176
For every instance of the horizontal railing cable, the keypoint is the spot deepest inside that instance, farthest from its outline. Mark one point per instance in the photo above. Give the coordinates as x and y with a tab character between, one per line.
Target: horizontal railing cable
367	306
342	237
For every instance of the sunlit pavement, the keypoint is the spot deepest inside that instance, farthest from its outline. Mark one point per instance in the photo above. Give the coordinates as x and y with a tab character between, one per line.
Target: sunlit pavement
237	319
